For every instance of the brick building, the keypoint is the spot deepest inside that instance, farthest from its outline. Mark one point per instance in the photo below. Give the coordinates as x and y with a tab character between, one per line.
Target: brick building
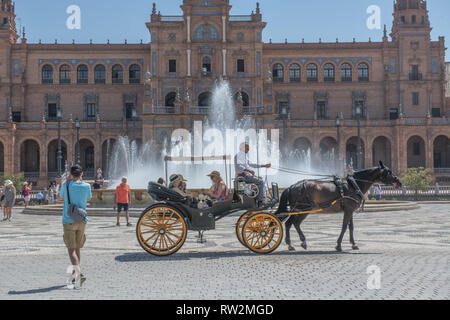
396	87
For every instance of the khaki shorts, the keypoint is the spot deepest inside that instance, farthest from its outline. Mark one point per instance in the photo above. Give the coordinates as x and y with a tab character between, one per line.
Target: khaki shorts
74	236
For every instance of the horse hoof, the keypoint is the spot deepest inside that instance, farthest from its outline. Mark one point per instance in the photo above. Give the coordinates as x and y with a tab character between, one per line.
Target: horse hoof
338	248
355	247
304	246
291	248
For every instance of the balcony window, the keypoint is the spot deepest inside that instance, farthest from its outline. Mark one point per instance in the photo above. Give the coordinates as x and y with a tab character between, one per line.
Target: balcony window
346	73
83	74
363	72
135	74
294	73
91	112
206	66
117	74
278	73
100	74
47	74
311	73
64	74
415	98
321	110
52	112
172	66
328	71
241	65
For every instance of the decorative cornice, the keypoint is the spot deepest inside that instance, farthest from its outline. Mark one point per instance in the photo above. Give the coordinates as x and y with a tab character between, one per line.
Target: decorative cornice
91	62
321	61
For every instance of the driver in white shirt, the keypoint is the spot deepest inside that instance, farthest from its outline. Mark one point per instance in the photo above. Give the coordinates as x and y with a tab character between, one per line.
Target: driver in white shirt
243	168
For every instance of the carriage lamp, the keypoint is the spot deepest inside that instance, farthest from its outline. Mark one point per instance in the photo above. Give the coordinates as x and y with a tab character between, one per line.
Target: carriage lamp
338	121
358	110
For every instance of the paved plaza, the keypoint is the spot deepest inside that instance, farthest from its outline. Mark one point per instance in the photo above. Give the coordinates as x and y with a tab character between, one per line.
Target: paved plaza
411	250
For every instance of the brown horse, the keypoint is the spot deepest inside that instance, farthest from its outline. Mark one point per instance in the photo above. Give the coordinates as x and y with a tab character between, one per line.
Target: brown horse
310	195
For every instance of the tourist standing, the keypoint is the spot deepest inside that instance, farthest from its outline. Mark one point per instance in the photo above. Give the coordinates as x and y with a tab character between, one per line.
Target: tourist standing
26	193
122	200
2	201
378	192
9	191
79	193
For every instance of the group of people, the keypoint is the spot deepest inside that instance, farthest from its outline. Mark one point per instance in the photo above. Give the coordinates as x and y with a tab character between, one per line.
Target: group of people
219	190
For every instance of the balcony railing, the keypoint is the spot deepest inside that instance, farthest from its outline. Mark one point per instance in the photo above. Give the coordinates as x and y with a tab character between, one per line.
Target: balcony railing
164	110
252	110
31	175
240	18
172	19
200	110
442	170
415	77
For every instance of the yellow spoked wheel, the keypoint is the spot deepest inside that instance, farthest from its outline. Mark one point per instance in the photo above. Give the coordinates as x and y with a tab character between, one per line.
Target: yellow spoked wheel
240	225
161	231
262	233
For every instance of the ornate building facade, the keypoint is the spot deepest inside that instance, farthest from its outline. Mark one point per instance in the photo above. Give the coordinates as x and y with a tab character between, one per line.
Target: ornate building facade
316	93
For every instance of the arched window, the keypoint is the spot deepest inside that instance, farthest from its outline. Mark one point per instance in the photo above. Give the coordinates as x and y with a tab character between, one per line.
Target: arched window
294	73
117	74
83	74
311	73
64	74
204	99
135	73
363	72
206	65
100	74
206	32
47	74
278	73
346	73
328	73
170	102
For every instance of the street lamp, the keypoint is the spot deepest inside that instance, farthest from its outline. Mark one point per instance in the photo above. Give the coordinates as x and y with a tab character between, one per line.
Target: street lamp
59	155
134	116
338	135
77	150
359	152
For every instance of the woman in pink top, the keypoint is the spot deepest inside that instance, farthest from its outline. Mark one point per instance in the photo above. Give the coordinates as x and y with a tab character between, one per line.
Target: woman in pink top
218	191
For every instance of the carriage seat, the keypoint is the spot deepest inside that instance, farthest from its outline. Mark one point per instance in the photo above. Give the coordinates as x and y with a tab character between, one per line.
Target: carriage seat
162	193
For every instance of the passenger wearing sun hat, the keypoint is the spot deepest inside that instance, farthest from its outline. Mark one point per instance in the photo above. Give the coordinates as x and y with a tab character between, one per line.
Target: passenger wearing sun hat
176	181
218	190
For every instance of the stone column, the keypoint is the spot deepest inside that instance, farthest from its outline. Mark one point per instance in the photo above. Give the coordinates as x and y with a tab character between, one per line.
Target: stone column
188	18
224	56
188	62
224	29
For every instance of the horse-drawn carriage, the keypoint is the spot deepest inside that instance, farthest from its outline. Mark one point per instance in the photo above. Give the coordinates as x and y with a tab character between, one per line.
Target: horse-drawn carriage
162	227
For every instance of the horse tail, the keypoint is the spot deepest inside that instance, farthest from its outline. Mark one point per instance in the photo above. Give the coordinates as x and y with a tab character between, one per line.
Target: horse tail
282	207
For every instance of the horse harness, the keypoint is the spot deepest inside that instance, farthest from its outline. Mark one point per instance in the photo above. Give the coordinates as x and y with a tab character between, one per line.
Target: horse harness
311	208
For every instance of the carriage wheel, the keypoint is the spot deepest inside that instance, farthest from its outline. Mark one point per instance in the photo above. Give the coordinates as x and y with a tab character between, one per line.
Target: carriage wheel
262	233
161	231
240	225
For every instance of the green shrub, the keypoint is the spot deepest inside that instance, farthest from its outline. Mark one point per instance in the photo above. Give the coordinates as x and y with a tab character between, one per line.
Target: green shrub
17	180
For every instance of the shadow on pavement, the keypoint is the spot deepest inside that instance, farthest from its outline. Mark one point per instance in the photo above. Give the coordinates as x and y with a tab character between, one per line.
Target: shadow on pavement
33	291
143	256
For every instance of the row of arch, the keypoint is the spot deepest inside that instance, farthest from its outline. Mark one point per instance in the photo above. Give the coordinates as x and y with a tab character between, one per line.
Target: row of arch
312	72
381	150
82	73
31	153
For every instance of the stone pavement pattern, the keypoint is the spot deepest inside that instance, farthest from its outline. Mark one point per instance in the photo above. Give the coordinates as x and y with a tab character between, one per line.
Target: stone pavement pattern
411	249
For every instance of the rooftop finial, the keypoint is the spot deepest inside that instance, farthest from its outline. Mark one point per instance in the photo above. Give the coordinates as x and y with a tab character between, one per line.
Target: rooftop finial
154	8
258	10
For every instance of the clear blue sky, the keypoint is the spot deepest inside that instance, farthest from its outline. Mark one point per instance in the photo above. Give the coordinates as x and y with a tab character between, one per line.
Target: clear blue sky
118	20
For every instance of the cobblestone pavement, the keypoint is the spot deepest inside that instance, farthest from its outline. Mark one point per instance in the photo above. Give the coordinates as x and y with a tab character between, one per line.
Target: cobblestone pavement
410	248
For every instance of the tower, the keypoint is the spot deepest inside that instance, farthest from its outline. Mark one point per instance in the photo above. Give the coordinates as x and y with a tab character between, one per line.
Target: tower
8	21
410	16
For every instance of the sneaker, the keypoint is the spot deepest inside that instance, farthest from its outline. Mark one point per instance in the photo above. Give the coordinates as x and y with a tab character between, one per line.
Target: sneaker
118	225
82	279
129	224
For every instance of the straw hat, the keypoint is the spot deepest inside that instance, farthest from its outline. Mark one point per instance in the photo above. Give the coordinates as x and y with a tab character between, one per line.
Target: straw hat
8	182
214	174
176	177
